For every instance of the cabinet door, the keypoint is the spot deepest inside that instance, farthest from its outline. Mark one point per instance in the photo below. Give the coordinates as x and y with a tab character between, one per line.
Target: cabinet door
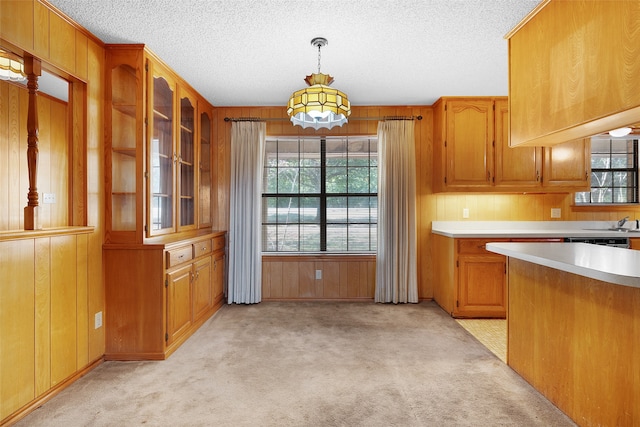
126	112
178	302
205	177
481	286
162	152
519	167
469	143
202	292
187	161
568	165
218	276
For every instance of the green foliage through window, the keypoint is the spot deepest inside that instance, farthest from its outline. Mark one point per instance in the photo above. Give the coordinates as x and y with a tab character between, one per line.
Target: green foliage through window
320	194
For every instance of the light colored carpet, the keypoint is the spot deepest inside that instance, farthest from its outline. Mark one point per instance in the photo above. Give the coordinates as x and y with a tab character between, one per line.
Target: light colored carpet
310	364
492	333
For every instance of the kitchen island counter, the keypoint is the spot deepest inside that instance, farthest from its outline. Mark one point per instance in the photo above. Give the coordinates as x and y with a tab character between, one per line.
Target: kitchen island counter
532	229
609	264
573	330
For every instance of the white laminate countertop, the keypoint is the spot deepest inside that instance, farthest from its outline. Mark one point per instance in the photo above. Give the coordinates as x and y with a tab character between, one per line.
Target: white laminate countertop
531	229
605	263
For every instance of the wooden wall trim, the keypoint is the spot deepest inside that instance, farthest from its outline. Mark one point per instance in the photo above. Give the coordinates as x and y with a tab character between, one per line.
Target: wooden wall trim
49	232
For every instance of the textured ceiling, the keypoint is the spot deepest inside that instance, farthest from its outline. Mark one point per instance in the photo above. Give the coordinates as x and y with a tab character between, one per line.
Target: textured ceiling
256	53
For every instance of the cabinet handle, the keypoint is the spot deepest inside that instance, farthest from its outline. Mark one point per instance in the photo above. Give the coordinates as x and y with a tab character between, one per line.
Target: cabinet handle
197	275
175	157
488	176
215	265
191	276
537	176
204	248
180	256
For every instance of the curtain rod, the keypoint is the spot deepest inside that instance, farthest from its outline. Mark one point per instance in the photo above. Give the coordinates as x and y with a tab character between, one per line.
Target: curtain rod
277	119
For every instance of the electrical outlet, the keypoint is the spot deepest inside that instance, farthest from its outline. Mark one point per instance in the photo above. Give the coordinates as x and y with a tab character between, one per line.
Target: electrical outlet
556	212
48	197
465	212
97	321
318	274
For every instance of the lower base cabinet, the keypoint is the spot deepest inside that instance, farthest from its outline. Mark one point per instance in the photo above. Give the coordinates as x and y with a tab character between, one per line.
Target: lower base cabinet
469	281
161	292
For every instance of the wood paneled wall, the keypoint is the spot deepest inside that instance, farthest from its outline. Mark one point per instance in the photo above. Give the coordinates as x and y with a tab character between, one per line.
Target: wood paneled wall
430	206
55	283
282	127
53	165
342	277
44	323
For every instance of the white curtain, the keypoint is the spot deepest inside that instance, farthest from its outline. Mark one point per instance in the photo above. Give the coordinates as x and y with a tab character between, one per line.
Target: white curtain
245	224
396	274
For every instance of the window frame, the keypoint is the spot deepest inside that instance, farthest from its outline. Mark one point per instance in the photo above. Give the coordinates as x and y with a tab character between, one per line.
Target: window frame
324	223
632	170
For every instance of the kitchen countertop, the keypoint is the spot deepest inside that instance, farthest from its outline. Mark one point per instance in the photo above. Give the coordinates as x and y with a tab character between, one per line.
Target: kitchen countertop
609	264
531	229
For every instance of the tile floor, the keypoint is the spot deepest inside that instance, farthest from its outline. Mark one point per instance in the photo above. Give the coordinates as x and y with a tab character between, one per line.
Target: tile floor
490	332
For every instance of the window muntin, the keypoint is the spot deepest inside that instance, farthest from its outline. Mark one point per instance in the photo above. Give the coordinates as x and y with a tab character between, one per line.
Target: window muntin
320	195
614	173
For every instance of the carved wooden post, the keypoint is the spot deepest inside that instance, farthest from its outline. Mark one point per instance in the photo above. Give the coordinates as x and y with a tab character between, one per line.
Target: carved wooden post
33	69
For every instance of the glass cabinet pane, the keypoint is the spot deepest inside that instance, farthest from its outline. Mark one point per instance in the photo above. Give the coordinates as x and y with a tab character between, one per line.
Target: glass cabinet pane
186	163
205	170
123	148
161	156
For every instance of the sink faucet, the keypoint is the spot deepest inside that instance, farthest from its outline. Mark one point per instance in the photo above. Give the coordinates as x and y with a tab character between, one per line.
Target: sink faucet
622	221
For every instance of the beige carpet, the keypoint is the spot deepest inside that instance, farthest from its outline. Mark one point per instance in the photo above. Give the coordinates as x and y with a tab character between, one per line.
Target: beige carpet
310	364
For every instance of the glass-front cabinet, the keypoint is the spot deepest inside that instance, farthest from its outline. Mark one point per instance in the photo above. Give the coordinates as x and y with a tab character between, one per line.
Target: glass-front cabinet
205	177
162	155
158	165
187	162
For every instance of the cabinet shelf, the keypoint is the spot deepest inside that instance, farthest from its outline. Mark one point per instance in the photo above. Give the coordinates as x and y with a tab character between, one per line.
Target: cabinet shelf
159	116
186	129
125	108
124	150
123	193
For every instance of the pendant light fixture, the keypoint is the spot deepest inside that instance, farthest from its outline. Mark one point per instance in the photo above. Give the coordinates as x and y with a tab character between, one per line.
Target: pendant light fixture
11	67
319	106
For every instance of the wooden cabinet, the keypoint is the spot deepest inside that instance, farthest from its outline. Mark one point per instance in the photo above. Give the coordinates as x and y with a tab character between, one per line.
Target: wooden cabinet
481	281
159	247
158	157
470	281
573	71
472	153
159	293
463	143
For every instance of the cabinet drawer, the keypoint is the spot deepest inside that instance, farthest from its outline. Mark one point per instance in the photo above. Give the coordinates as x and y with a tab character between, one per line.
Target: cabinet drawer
476	246
178	256
201	248
218	243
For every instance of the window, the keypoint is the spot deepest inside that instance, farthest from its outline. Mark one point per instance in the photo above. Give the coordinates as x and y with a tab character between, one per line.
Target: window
614	172
320	194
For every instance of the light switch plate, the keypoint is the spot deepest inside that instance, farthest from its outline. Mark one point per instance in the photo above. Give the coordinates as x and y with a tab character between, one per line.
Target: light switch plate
465	212
318	274
97	320
48	197
556	212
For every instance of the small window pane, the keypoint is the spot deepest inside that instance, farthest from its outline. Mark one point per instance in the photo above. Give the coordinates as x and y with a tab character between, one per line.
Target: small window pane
310	210
288	212
288	180
336	180
336	209
309	180
310	237
336	238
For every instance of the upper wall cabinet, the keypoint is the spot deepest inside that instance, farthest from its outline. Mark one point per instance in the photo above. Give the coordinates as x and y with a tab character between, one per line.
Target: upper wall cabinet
574	71
471	153
158	149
